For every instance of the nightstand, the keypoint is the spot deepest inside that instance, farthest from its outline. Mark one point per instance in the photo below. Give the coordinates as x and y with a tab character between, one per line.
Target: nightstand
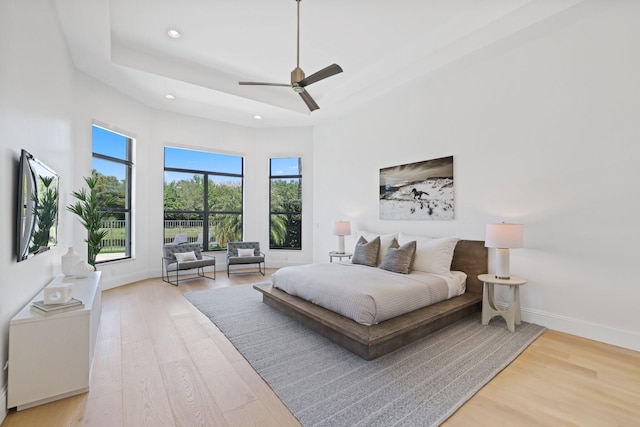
489	309
334	254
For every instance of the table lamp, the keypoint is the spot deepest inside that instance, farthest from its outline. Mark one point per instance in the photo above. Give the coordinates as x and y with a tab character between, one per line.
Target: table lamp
503	237
341	229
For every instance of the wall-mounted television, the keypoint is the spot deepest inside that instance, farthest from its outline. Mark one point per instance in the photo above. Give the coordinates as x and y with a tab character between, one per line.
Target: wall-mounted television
37	218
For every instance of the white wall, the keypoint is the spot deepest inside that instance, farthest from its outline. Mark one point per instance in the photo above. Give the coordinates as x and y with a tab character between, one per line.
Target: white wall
100	104
544	131
36	93
278	143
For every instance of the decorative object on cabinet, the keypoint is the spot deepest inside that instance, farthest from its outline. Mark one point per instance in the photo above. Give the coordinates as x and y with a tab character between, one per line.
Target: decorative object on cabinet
56	295
82	269
503	237
48	309
421	190
68	261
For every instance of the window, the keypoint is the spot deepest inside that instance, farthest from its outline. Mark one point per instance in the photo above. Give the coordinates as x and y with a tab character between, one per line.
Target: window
202	197
112	167
285	200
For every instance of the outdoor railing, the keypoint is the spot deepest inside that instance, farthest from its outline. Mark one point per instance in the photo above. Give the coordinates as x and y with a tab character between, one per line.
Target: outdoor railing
115	240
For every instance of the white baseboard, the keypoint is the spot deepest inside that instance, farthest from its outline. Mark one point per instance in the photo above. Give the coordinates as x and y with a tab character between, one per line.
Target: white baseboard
3	399
582	328
121	280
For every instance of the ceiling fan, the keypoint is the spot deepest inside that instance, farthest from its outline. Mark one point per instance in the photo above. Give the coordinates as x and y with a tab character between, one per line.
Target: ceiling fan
298	80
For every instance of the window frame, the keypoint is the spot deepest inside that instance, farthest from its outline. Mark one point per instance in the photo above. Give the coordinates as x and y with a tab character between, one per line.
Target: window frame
127	211
206	212
271	213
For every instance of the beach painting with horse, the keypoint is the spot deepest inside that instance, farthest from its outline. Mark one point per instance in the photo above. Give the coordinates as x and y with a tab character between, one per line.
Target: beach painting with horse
418	191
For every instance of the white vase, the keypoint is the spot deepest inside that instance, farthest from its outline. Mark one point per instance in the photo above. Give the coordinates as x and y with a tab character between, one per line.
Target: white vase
69	261
82	269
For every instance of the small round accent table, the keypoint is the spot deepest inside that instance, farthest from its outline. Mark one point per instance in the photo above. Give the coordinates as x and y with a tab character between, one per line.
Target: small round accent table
334	254
489	309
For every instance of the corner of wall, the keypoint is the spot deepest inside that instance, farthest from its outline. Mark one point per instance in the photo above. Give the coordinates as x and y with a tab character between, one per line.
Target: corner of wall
3	399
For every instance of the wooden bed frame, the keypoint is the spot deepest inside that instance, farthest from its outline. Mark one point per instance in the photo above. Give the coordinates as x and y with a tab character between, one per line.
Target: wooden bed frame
370	342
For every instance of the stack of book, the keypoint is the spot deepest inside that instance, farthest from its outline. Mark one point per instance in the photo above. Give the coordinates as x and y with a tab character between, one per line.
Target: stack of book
47	309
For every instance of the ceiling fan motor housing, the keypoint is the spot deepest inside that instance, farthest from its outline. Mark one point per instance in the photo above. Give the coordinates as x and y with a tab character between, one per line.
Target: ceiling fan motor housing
296	75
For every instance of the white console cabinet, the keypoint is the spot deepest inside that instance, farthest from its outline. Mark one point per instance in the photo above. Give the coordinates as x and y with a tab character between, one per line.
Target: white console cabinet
50	356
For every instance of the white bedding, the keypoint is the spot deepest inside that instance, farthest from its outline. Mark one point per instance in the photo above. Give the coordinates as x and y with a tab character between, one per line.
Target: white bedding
367	295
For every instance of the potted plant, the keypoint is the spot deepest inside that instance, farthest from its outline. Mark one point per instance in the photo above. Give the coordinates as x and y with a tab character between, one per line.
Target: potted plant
91	210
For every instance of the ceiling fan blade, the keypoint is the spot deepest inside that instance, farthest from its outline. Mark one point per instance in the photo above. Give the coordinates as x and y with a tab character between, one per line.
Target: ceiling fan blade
322	74
263	84
309	100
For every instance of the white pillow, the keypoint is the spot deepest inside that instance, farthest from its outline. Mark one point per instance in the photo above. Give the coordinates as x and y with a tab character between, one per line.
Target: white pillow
434	255
185	256
385	242
245	252
403	238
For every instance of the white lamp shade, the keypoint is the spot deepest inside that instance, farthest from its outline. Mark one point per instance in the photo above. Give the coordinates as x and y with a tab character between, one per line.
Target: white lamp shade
504	236
342	228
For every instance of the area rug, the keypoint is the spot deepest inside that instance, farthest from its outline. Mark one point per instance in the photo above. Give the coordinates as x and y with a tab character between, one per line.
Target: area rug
323	384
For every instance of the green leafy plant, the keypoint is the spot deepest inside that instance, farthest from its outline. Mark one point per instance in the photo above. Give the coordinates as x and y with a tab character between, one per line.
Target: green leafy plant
45	210
92	210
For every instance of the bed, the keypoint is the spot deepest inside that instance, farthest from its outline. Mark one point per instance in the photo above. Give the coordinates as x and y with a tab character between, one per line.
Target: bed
375	340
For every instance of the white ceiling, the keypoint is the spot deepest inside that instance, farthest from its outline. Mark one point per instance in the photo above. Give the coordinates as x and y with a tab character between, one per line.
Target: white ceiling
379	44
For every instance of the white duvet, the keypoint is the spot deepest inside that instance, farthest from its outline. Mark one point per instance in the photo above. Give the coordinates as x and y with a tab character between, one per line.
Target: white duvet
367	295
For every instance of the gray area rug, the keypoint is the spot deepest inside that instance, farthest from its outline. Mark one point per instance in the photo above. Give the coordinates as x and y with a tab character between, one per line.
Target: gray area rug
325	385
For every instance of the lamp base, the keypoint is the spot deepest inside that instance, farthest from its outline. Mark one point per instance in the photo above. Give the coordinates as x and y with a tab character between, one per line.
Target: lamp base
502	264
340	245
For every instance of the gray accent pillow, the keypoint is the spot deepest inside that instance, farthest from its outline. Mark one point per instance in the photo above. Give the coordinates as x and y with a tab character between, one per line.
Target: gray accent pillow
366	253
399	258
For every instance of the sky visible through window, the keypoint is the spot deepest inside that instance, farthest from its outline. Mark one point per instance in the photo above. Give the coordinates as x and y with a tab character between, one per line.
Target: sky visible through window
205	161
284	166
113	144
109	144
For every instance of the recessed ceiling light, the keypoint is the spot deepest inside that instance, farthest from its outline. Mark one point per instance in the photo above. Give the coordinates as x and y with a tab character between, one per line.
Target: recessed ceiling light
169	96
174	34
257	117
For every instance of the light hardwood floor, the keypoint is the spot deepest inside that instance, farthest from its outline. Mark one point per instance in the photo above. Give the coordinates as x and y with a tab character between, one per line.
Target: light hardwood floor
160	362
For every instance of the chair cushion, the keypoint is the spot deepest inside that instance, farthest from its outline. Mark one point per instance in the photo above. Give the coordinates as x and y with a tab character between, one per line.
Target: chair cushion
245	259
188	265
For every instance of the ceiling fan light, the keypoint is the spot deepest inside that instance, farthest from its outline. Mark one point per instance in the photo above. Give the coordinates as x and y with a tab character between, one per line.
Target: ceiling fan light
297	89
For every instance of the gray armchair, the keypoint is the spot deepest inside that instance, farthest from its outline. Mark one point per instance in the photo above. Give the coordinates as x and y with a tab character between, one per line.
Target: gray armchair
173	264
235	258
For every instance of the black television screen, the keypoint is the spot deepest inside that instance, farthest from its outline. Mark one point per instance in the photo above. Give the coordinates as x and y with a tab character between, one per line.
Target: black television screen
38	189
